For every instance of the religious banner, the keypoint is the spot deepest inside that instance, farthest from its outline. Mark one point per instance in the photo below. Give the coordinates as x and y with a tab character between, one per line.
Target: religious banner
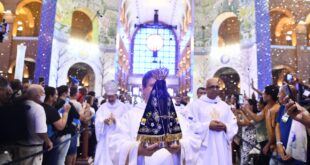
20	62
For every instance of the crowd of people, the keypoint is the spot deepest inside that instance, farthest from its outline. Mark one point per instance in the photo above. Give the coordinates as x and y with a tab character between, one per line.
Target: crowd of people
36	117
273	130
270	128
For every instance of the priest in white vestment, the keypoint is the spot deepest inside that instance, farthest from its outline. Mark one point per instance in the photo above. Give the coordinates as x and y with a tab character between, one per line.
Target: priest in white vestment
213	120
126	150
106	120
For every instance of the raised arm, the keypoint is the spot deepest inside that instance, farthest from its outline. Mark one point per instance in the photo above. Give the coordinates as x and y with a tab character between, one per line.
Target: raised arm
298	113
242	119
256	117
255	89
61	123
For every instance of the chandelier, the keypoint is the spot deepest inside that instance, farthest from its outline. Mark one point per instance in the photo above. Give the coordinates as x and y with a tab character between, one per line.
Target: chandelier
155	42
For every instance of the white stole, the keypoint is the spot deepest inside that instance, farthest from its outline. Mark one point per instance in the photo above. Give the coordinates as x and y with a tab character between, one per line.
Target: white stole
216	116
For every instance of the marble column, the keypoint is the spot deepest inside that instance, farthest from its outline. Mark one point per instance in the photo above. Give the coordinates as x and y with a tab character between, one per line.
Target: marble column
43	59
264	60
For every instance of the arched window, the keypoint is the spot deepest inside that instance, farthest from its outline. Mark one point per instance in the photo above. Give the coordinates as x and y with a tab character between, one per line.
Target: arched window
229	32
84	73
28	73
81	26
279	72
229	80
282	27
143	57
28	17
225	30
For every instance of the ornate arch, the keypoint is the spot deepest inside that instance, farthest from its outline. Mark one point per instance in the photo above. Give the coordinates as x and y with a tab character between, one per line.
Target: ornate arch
23	4
217	24
95	22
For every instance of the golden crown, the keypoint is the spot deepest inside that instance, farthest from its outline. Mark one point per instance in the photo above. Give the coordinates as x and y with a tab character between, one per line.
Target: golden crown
160	73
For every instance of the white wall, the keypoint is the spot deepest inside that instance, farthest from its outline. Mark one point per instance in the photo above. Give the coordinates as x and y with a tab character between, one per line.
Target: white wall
67	53
243	60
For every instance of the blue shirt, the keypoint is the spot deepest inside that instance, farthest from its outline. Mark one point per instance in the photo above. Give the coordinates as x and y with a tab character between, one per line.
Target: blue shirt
284	127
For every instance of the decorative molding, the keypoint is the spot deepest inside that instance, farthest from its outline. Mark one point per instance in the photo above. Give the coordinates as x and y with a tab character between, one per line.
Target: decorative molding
282	47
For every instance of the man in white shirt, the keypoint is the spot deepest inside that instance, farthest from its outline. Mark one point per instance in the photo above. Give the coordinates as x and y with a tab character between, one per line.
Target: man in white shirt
106	120
37	127
216	125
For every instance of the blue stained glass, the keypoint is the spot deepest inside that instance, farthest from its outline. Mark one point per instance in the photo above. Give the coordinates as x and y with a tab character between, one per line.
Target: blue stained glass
143	59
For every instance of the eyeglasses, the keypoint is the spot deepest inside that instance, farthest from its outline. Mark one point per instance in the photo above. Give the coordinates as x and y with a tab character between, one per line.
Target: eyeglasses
213	87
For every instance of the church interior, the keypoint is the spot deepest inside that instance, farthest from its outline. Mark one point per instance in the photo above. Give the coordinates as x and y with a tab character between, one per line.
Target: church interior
99	40
246	44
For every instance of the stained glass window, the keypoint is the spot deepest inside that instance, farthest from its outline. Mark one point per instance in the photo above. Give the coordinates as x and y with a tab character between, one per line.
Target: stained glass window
143	59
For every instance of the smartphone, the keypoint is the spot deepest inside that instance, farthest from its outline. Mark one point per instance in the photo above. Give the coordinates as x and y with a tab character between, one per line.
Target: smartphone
67	100
289	78
41	80
289	93
241	100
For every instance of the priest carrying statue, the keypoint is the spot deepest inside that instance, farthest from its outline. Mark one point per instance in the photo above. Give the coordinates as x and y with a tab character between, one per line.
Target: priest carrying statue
150	133
159	123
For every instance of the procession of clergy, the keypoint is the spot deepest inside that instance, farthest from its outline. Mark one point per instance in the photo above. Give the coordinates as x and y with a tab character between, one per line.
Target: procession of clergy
208	126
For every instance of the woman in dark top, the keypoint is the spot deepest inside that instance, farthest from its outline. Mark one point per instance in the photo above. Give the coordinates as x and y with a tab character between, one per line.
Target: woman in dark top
63	136
70	128
54	121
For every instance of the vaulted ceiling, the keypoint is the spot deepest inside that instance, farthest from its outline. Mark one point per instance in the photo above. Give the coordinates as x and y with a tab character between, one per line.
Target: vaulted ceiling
171	12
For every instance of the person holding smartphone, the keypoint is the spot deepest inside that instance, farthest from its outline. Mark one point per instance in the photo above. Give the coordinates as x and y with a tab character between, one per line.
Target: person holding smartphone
287	127
298	113
297	83
70	128
248	130
269	113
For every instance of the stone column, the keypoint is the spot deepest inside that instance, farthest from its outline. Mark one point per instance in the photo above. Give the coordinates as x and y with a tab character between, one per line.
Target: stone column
264	60
45	40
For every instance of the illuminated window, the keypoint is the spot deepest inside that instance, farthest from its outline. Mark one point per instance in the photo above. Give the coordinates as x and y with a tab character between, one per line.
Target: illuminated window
143	59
